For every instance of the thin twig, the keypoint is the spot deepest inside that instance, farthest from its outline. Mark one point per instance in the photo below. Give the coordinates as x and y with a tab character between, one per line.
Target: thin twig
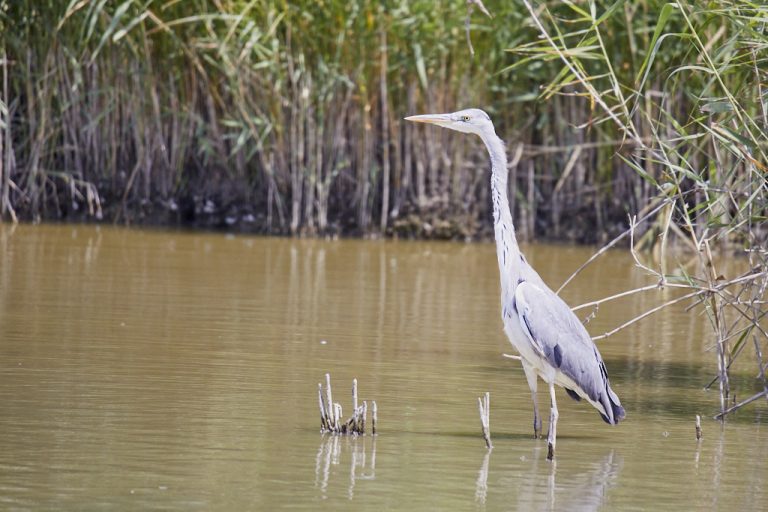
609	245
742	404
646	314
633	251
698	291
650	287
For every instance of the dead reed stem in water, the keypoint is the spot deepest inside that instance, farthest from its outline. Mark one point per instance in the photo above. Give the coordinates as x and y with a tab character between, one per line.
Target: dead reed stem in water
331	419
698	427
323	418
374	418
484	406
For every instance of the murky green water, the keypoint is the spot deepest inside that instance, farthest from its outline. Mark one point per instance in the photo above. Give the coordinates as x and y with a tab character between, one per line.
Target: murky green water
152	370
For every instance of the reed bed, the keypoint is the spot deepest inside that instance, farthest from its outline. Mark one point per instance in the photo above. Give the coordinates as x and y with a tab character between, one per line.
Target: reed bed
285	117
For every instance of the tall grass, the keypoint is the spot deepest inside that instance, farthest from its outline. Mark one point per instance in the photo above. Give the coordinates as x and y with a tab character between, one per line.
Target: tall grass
285	117
693	110
284	113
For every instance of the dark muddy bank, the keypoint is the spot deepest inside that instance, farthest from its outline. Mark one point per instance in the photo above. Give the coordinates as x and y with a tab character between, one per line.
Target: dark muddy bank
243	215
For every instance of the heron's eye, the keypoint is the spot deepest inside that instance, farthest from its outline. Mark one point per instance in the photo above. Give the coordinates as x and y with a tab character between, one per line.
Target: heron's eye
465	118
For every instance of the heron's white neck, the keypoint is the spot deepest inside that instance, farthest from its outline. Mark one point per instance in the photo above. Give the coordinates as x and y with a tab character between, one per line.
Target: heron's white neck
507	250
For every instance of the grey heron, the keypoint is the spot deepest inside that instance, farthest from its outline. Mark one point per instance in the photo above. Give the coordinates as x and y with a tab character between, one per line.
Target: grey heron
552	342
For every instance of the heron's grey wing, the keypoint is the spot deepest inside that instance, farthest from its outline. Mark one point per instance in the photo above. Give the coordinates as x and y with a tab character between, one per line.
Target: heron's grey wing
558	336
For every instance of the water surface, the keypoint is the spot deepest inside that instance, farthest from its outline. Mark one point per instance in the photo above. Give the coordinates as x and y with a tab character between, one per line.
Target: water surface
175	371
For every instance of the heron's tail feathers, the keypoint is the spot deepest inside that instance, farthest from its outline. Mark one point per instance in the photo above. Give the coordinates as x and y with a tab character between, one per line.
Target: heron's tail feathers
614	412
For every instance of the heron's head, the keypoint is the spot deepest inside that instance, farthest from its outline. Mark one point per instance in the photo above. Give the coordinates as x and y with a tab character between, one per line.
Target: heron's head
471	120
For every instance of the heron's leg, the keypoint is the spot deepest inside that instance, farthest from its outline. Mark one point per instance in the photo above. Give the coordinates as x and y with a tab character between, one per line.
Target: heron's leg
552	435
530	375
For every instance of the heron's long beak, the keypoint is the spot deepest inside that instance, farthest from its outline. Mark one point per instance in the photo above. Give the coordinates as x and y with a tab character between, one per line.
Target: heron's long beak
438	119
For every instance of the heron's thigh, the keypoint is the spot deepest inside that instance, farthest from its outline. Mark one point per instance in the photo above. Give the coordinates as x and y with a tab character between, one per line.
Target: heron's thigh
530	375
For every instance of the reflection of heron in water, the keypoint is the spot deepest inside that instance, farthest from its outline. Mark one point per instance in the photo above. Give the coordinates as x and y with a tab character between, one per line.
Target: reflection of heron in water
582	491
552	342
577	491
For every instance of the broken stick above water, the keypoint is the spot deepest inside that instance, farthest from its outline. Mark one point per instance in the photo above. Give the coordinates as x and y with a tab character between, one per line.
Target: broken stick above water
374	418
698	427
484	405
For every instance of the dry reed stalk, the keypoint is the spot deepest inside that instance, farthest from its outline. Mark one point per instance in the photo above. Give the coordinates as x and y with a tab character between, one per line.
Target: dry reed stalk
374	418
354	394
331	419
331	408
484	406
323	409
385	134
6	149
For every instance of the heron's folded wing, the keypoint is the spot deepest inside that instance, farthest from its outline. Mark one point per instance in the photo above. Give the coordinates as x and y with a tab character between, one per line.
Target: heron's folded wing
559	337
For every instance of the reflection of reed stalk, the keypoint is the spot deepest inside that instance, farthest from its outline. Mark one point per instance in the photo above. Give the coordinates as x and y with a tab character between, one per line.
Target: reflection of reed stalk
330	453
481	485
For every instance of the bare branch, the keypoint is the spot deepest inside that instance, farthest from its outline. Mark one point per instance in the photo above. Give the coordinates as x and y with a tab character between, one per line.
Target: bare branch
627	293
612	243
742	404
647	313
697	291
